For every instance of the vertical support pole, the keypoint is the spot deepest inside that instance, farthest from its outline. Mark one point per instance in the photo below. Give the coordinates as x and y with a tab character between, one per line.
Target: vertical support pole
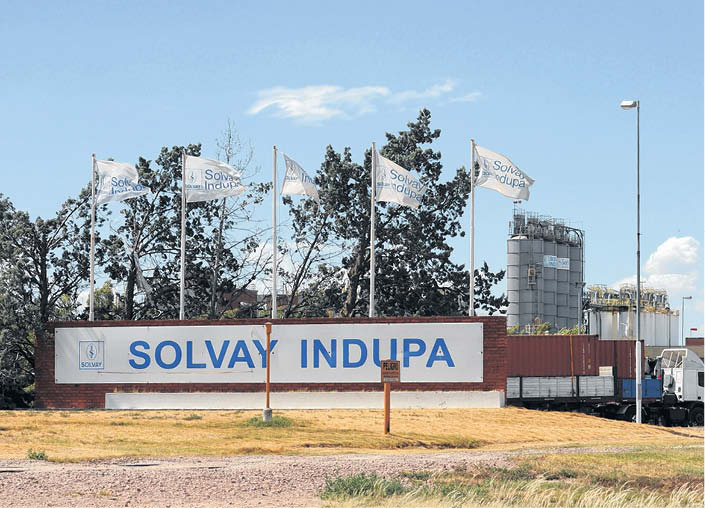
387	390
373	195
268	327
471	310
274	233
572	367
638	276
267	412
91	296
182	280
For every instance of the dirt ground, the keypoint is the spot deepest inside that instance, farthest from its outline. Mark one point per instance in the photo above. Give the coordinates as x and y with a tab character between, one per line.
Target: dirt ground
266	481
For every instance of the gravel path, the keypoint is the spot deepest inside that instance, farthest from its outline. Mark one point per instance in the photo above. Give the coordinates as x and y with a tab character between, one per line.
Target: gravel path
276	481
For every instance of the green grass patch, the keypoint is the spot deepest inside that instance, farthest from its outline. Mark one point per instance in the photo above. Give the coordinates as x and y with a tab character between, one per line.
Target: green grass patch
193	416
361	485
416	475
276	421
37	455
120	423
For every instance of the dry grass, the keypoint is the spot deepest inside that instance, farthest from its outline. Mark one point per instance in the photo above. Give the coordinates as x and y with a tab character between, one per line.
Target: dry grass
653	477
536	494
83	435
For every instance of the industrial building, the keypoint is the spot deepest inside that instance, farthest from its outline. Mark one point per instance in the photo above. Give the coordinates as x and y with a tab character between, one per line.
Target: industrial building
545	274
611	314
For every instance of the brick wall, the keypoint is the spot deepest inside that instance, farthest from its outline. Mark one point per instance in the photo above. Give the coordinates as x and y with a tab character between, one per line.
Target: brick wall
52	395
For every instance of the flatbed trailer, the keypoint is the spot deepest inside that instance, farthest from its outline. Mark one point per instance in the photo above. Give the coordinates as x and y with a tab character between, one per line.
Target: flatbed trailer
672	394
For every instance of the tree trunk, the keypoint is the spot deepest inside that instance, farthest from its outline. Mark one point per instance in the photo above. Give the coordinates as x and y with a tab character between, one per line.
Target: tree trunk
130	292
354	275
216	263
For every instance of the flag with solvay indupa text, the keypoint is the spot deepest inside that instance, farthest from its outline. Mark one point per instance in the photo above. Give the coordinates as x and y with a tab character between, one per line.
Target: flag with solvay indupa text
208	179
297	181
117	181
396	184
501	174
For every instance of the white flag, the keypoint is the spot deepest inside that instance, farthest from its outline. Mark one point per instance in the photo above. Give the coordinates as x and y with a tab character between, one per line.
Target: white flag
117	181
499	173
396	184
297	181
207	179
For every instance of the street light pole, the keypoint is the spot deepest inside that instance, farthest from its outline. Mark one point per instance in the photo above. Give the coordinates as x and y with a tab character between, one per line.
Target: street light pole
631	105
683	318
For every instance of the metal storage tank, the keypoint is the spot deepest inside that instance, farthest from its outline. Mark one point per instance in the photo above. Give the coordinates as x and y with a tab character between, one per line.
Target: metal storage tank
544	272
612	315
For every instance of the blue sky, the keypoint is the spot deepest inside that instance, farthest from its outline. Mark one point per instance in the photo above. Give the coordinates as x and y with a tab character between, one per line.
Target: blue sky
538	81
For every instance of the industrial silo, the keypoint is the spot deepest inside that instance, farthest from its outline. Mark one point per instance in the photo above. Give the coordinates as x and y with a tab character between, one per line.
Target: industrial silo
544	272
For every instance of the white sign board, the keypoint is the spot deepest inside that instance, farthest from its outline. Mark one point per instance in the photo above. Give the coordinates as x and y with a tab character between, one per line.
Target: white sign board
306	353
557	263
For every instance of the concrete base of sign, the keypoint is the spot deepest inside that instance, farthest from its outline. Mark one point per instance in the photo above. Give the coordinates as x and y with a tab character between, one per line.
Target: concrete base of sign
305	400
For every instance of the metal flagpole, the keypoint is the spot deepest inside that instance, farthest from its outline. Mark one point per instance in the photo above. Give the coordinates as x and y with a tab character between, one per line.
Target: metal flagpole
471	310
638	278
92	282
183	235
373	193
274	232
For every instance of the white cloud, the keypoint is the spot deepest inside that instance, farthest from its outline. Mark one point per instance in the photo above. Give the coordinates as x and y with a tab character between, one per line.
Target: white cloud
670	267
471	97
673	253
315	104
432	92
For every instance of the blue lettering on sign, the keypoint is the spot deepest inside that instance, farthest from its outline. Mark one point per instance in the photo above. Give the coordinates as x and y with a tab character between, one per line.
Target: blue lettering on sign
189	358
408	353
355	352
146	360
158	354
262	350
240	353
347	364
319	349
217	361
443	356
392	351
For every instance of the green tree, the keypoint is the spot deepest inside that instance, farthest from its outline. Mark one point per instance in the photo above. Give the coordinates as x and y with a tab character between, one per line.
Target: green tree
44	265
221	254
415	275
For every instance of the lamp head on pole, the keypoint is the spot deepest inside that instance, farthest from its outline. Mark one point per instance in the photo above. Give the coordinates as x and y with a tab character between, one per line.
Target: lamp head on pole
687	298
628	104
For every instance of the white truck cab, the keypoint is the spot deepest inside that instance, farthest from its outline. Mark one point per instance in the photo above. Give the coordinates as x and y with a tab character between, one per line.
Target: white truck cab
682	374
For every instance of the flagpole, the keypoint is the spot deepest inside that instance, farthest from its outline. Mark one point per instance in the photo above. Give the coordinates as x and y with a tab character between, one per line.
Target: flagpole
372	230
274	232
91	297
471	310
182	283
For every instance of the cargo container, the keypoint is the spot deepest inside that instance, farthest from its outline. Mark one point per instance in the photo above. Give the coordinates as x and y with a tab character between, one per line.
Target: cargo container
595	377
569	355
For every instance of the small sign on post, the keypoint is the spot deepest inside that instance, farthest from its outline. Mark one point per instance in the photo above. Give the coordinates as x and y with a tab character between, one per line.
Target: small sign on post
391	373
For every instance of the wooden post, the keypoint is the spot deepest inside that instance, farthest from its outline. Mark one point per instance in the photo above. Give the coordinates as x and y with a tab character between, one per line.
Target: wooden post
268	327
390	374
387	390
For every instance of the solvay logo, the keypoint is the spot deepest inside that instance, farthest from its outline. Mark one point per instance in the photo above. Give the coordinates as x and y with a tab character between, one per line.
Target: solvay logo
91	355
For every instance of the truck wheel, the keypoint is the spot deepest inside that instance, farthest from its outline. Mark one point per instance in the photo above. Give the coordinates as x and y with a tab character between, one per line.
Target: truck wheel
696	417
629	414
